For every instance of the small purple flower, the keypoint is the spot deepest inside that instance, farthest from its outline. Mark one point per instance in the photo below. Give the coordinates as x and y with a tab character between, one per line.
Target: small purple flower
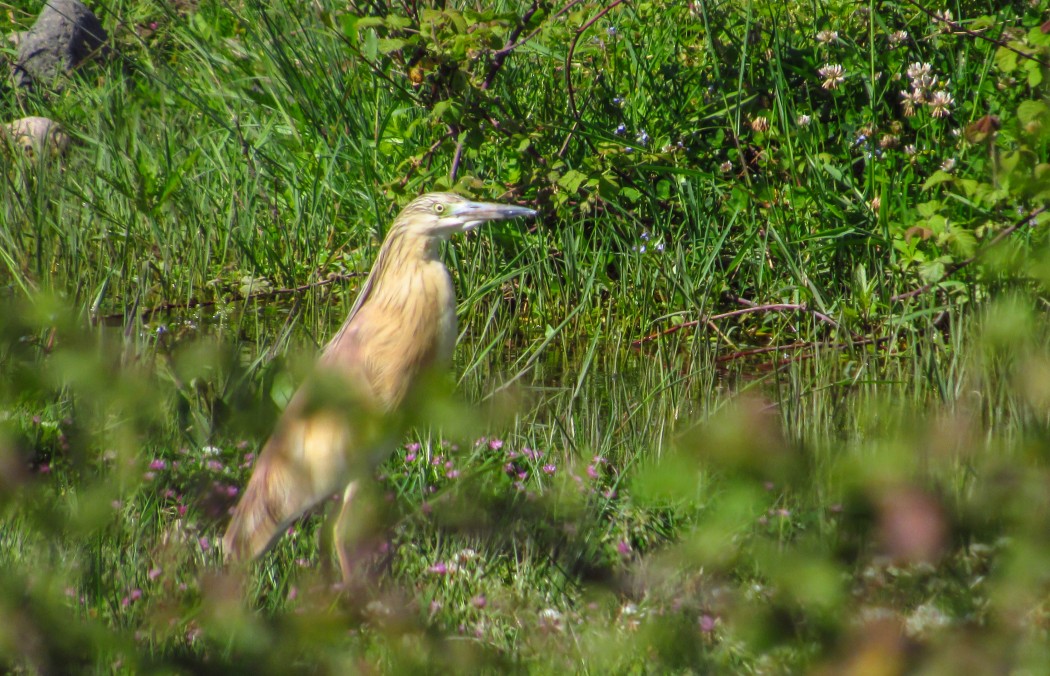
479	601
45	468
439	568
412	447
231	491
158	465
707	623
411	457
205	545
496	444
453	474
293	592
549	469
509	468
154	573
624	547
592	471
215	465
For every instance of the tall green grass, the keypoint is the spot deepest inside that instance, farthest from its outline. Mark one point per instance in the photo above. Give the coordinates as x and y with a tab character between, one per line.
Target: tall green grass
630	478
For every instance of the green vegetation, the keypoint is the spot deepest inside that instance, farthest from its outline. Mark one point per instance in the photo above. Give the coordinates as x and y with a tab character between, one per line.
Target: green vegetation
765	389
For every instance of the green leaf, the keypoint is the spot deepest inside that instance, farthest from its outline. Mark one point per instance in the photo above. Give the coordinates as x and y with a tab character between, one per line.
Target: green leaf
388	45
572	180
1005	60
1031	111
937	178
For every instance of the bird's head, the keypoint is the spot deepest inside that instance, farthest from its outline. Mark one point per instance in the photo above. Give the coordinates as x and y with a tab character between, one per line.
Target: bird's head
442	214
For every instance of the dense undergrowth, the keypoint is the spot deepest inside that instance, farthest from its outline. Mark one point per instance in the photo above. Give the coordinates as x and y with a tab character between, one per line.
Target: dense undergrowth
763	390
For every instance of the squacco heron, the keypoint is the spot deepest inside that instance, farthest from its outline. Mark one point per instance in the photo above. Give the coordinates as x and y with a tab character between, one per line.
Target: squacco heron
402	325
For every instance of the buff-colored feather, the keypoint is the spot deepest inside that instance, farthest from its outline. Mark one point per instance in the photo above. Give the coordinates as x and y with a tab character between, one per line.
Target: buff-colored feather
402	324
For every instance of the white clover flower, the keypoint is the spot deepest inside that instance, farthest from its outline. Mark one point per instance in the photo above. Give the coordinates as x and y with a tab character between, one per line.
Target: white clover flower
726	167
875	203
760	124
832	74
940	103
825	36
804	120
948	165
910	150
897	37
917	70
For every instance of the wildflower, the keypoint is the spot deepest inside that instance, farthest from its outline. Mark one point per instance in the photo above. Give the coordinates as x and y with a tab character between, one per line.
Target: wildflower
412	447
940	102
158	465
804	120
910	150
439	568
214	465
293	592
760	124
948	165
45	468
592	471
707	623
550	620
479	601
832	74
897	37
611	30
889	141
466	554
726	167
549	469
620	130
917	71
826	37
211	450
203	542
452	474
875	203
623	547
642	138
946	24
496	444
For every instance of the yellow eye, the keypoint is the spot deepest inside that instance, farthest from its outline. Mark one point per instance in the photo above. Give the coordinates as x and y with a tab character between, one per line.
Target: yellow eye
439	208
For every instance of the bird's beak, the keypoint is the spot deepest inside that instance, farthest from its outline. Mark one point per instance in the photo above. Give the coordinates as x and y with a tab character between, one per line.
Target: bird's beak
474	213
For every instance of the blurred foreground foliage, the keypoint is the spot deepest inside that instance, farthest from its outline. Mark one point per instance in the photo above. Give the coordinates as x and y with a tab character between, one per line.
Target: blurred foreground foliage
844	470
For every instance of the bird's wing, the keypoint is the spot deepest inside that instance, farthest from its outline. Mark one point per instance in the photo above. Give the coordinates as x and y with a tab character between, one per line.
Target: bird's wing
310	454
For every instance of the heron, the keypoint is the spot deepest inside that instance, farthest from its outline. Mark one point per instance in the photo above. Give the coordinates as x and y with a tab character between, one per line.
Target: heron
401	328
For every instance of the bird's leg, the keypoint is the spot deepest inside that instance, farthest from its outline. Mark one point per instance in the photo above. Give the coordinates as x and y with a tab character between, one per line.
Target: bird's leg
339	532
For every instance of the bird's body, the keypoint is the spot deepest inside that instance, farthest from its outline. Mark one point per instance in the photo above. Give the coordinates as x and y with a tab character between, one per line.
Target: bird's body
402	325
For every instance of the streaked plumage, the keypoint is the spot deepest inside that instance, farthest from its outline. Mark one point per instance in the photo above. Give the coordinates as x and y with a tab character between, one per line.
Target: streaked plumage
402	324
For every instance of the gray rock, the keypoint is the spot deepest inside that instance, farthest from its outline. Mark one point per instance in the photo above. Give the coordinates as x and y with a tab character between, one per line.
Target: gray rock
64	35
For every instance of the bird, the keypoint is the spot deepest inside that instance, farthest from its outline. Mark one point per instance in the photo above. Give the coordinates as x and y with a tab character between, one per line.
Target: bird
401	328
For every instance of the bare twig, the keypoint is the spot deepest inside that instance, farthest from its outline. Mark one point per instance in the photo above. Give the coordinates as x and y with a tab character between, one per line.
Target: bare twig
572	48
195	303
962	264
499	57
958	29
774	307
